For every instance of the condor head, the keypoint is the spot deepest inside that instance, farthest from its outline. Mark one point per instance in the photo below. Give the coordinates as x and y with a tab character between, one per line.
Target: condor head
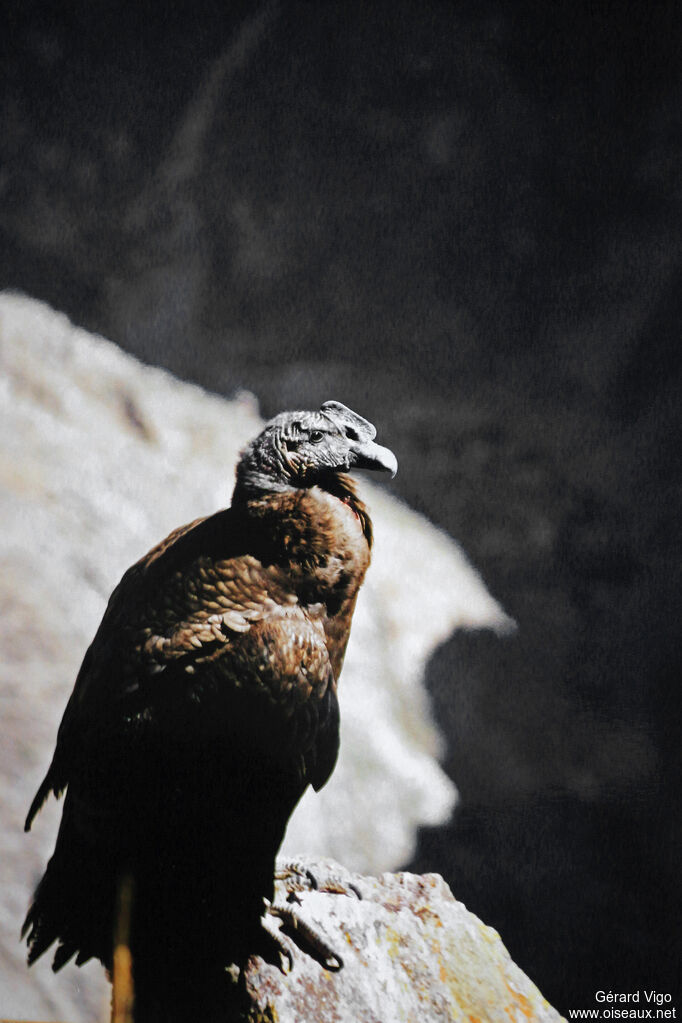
301	449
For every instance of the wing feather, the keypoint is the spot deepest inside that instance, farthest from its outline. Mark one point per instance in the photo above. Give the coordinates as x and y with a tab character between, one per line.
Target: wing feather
219	535
201	610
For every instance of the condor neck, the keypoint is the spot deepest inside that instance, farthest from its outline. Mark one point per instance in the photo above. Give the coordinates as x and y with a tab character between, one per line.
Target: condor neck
284	509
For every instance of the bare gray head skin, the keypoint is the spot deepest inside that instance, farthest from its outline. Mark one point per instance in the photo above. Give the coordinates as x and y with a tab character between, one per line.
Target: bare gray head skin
300	449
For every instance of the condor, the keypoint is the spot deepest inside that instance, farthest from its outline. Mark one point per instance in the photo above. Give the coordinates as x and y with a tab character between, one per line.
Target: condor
205	706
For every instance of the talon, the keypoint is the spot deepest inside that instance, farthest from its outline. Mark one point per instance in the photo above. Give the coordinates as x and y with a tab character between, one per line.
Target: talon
281	942
330	959
333	967
337	886
296	877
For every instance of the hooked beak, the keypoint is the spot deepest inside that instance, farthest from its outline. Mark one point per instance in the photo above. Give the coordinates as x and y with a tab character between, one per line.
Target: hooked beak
364	453
368	455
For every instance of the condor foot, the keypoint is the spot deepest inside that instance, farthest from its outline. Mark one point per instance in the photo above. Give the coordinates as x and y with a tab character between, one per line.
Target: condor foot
291	879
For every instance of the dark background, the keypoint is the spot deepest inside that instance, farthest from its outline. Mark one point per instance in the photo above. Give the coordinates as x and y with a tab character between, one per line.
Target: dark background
462	220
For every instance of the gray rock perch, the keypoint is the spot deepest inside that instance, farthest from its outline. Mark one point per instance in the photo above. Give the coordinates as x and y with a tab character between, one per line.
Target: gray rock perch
411	952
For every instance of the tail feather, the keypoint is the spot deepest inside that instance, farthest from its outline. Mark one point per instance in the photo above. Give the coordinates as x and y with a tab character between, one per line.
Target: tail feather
73	904
47	785
65	951
34	931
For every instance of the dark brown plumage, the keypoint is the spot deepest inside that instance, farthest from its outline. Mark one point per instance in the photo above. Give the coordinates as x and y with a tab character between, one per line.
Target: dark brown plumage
206	704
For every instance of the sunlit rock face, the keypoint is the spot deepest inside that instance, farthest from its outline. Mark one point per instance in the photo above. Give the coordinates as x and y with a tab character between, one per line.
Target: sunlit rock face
411	951
102	457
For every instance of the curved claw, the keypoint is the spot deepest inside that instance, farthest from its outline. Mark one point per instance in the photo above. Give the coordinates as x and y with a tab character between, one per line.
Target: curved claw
337	886
297	877
280	942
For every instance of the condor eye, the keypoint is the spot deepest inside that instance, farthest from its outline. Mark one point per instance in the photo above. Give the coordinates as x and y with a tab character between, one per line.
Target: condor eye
316	436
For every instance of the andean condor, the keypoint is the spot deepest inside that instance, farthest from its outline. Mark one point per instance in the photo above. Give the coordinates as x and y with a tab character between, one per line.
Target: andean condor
205	706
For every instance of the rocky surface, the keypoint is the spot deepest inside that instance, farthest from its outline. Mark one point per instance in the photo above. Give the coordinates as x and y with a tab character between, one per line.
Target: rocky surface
101	457
411	953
